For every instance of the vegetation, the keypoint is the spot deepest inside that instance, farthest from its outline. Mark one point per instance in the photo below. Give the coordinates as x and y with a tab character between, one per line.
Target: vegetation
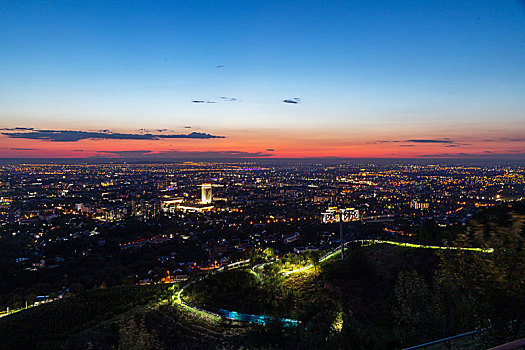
319	299
380	296
387	296
47	326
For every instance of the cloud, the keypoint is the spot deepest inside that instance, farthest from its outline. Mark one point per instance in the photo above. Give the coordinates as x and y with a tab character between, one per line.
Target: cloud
406	145
270	150
228	99
485	154
74	135
127	154
22	149
164	155
429	141
445	140
192	135
512	139
187	127
453	145
294	100
202	101
220	66
507	139
17	128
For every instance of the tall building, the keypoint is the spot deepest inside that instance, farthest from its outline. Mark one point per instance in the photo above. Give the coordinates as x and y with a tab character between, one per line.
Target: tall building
206	195
416	204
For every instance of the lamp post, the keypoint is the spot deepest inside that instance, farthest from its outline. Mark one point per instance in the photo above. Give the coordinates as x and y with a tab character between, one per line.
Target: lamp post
341	236
334	214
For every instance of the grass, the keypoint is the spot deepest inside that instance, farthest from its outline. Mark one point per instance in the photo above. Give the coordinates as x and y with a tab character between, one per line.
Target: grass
50	324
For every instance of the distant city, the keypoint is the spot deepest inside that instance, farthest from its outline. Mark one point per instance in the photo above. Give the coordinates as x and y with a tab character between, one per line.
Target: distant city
205	213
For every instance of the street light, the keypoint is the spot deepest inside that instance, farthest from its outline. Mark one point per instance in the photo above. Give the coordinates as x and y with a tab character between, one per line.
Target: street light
334	214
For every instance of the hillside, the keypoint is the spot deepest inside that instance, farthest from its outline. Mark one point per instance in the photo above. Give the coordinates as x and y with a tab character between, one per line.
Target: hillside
49	325
359	290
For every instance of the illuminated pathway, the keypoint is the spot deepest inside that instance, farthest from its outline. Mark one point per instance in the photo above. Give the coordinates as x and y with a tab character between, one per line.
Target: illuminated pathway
194	309
410	245
334	252
232	315
337	251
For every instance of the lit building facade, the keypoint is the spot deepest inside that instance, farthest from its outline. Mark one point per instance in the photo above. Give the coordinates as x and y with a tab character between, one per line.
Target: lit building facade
206	195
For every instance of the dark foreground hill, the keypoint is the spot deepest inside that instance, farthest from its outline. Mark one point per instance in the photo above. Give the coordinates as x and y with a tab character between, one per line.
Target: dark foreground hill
379	297
48	326
359	289
343	302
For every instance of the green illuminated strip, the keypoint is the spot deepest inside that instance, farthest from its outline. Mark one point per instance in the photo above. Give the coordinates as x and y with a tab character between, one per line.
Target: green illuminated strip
411	245
400	244
193	309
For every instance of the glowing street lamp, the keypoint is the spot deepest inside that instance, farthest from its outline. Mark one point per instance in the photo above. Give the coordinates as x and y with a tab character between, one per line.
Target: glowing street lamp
334	214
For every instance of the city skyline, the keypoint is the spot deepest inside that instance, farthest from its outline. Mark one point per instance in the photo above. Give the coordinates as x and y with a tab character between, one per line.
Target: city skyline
281	80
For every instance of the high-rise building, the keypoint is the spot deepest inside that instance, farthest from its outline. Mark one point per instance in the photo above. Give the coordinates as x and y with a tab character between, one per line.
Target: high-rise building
416	204
206	195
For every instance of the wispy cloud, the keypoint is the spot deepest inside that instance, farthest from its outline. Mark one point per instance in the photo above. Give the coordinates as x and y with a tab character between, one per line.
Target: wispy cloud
147	154
484	154
75	135
294	100
22	149
429	141
512	139
384	141
16	129
202	101
229	99
445	140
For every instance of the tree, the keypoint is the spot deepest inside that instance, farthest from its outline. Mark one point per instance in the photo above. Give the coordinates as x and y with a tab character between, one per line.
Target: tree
414	309
30	298
268	253
315	258
495	282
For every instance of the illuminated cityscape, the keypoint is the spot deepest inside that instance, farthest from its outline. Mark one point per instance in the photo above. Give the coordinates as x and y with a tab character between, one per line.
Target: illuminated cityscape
67	218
